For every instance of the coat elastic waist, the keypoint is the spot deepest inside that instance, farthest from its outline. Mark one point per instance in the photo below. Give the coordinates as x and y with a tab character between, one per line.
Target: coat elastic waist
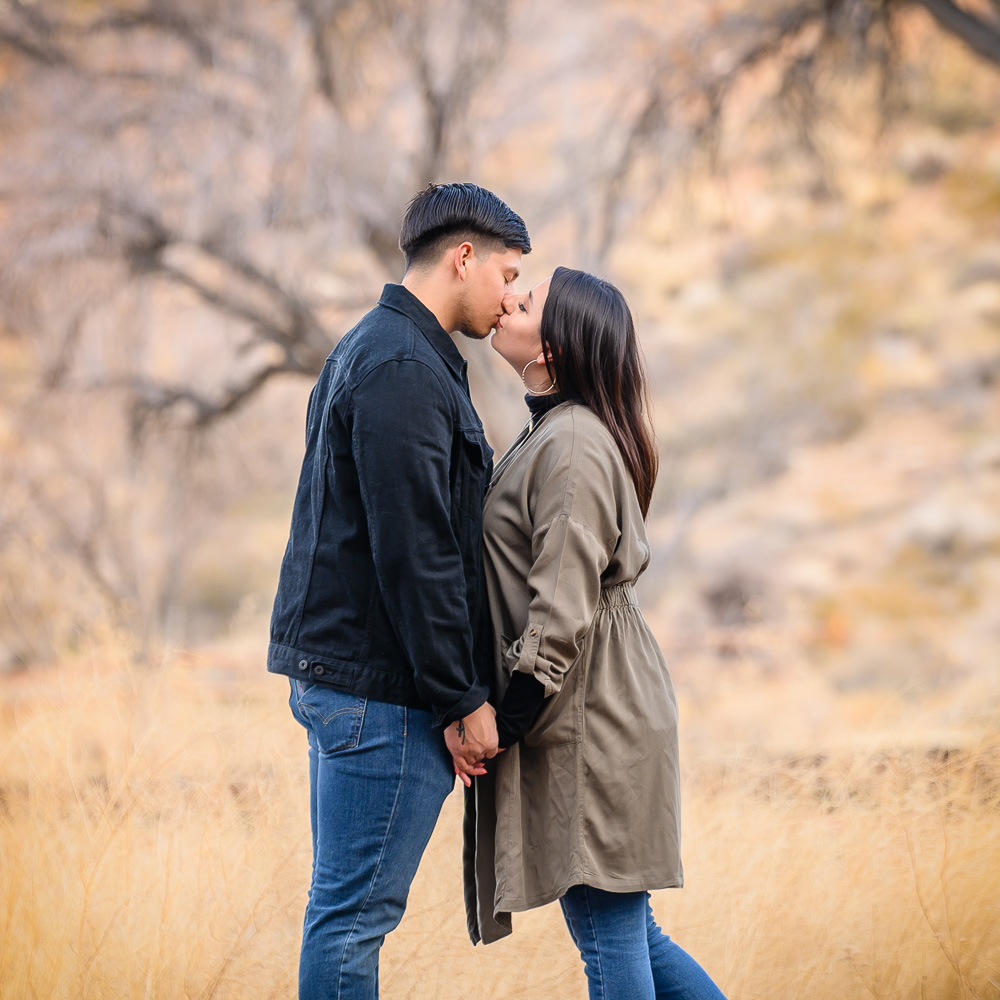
619	595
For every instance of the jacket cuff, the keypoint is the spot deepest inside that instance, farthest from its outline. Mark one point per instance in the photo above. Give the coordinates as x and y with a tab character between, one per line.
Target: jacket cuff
474	698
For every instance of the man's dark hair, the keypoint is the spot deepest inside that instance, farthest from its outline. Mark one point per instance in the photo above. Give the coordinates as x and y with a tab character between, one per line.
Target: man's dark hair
445	212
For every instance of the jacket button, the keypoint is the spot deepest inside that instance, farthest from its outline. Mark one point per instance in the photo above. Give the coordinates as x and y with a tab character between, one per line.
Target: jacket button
318	671
534	631
303	664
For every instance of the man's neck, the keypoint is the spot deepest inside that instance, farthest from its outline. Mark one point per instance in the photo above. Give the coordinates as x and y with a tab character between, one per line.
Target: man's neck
427	288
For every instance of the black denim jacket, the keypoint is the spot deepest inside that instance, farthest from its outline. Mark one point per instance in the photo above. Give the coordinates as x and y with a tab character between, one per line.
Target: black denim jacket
381	590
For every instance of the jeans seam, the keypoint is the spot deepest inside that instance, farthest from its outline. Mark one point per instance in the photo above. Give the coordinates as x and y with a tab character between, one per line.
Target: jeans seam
597	945
378	864
325	720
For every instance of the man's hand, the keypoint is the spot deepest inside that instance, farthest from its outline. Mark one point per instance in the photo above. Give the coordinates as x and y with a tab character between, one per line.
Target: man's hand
471	741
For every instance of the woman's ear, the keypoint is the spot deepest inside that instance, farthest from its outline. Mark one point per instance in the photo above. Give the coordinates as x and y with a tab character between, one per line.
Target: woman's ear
543	357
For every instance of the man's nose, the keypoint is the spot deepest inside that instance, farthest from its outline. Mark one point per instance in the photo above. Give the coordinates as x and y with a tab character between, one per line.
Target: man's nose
508	301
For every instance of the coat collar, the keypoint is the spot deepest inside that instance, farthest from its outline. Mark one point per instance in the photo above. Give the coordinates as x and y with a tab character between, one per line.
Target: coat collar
402	300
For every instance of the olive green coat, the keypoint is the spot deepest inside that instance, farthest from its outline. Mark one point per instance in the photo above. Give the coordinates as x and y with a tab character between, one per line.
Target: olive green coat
591	794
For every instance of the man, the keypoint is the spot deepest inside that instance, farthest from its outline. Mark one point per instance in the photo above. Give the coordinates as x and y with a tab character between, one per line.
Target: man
380	605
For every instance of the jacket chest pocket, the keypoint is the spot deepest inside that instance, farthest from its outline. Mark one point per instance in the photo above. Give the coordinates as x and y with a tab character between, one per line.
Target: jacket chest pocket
473	460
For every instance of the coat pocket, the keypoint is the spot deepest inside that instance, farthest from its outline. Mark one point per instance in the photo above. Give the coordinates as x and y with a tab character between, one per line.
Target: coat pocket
559	721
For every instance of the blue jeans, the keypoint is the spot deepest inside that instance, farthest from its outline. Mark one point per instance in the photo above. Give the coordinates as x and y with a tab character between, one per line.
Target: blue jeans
378	776
626	955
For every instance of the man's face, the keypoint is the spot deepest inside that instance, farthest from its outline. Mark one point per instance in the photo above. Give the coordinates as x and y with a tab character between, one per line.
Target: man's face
489	276
519	331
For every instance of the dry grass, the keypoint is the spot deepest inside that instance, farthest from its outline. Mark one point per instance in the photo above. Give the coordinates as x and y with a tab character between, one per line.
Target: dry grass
154	844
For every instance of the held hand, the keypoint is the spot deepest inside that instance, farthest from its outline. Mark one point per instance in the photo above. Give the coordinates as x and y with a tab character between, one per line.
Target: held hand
467	773
453	741
471	740
477	734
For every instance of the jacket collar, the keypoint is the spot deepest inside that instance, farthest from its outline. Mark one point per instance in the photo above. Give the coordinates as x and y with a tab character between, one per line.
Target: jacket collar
402	300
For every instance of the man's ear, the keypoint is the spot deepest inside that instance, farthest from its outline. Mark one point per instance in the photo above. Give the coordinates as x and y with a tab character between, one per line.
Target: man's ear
461	256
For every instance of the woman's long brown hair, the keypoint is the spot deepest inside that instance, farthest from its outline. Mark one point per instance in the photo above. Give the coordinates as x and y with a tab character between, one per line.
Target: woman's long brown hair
588	330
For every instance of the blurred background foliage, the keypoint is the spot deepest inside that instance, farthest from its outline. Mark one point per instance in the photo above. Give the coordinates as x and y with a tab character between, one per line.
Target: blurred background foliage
801	200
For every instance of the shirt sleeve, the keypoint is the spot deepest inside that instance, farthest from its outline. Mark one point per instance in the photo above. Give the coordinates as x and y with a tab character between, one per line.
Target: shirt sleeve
402	435
576	513
522	701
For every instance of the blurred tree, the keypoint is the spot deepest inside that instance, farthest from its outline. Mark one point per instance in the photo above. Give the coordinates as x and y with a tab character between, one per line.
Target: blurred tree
807	46
228	149
197	198
214	147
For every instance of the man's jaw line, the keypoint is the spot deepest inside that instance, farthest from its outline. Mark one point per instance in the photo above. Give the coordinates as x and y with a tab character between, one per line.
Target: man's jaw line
471	335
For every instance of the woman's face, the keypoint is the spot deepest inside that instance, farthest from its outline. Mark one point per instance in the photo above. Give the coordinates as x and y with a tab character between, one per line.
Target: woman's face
518	337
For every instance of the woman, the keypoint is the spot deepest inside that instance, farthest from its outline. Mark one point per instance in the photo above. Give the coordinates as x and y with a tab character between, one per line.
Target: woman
583	806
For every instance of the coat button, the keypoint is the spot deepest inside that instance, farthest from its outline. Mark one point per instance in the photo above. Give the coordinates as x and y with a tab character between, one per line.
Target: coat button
534	631
318	671
303	664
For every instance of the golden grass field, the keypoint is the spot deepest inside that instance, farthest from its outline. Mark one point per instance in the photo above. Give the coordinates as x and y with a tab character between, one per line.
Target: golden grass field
154	843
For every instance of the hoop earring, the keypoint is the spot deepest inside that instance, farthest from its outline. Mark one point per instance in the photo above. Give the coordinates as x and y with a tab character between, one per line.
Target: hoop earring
533	392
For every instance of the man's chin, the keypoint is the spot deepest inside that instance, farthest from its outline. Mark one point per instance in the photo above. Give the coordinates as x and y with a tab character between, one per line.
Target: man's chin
475	334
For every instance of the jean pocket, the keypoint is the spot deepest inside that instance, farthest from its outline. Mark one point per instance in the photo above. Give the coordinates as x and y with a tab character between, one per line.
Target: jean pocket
333	717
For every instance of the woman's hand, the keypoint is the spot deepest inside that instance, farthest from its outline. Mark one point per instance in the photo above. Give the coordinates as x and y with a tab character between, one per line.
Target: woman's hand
471	741
466	773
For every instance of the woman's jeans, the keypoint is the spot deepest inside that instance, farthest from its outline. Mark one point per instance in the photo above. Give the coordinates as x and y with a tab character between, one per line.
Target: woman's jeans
378	776
626	954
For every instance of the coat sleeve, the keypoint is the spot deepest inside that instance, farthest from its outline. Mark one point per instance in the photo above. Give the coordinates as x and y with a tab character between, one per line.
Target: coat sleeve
402	434
575	511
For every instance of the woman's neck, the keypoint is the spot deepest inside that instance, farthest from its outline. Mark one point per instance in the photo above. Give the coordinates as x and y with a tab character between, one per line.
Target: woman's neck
542	404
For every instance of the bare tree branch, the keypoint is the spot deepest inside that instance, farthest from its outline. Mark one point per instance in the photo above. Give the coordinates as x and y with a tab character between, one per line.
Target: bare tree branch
149	397
59	369
158	18
981	36
749	41
291	324
321	16
84	542
47	55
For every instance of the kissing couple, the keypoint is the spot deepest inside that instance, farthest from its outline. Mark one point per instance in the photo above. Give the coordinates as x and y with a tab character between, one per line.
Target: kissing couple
439	615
